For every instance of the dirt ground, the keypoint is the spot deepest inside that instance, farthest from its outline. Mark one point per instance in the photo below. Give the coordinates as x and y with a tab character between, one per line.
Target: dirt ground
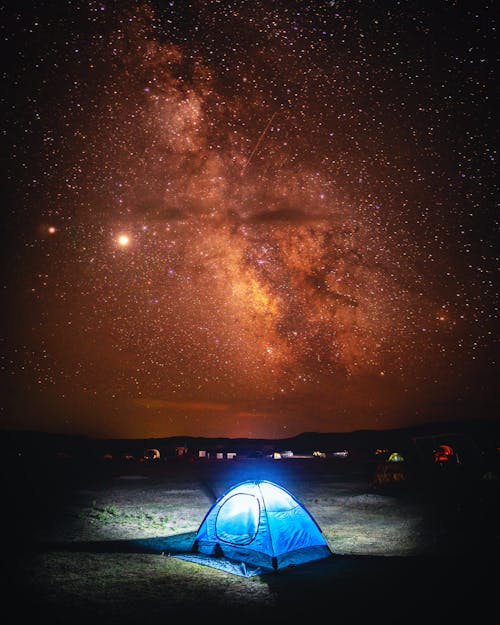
86	543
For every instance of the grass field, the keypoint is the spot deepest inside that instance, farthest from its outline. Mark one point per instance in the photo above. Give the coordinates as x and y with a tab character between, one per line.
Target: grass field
96	543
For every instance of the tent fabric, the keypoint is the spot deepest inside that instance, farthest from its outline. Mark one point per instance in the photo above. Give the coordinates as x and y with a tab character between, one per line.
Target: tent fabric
261	525
224	564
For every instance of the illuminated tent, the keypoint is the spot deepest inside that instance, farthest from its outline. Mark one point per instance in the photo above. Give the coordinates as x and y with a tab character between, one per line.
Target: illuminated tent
444	453
392	471
396	457
257	527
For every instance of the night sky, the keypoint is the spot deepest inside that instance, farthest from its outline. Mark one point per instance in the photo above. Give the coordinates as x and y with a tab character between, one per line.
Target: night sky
248	219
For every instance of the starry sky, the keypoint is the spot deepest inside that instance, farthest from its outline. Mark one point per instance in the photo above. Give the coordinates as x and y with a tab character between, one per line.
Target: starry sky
248	218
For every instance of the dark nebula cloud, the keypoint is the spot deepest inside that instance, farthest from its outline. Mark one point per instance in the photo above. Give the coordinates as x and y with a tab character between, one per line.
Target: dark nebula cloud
248	219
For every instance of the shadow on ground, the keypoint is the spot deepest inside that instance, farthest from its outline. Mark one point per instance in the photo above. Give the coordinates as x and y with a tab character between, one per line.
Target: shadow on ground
386	589
162	545
380	589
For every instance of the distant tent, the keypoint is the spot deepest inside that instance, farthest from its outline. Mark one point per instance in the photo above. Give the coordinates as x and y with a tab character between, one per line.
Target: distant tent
391	472
396	457
444	453
257	527
152	454
440	449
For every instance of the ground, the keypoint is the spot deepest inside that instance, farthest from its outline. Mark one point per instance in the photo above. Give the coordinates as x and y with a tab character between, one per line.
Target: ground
97	542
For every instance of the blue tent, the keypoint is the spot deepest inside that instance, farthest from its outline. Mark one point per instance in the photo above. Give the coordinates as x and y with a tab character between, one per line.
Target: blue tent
257	527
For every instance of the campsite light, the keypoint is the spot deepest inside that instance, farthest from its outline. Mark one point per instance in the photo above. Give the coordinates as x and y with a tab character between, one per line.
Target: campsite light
342	453
319	454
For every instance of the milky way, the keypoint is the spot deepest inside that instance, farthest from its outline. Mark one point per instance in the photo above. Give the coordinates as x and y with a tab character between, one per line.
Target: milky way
248	219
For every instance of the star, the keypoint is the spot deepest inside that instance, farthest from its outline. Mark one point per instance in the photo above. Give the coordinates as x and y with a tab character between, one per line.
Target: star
123	240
